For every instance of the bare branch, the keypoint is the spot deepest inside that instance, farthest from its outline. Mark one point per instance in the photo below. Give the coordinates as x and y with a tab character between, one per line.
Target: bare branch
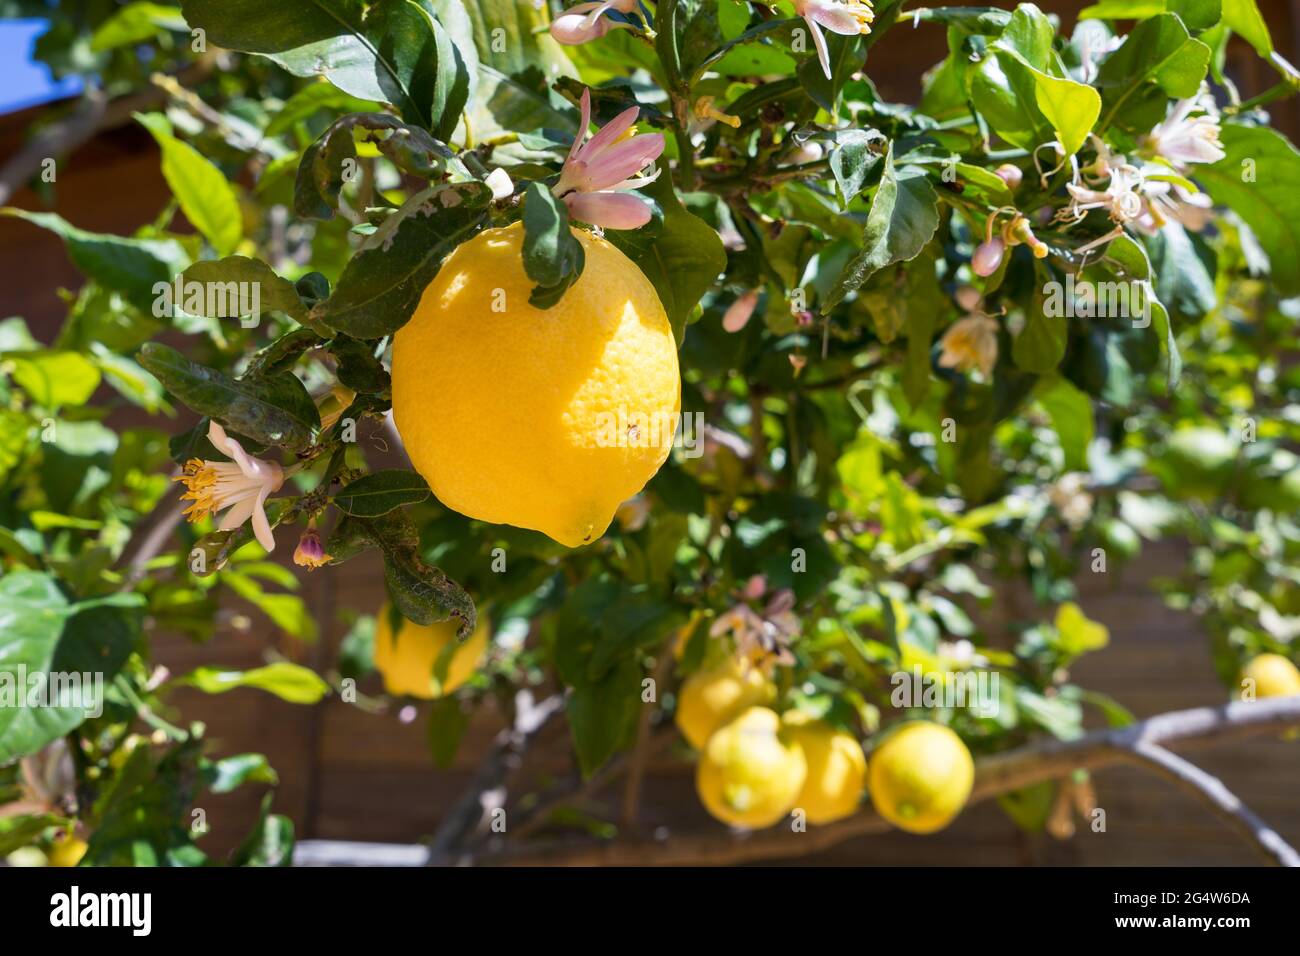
507	750
1211	791
95	112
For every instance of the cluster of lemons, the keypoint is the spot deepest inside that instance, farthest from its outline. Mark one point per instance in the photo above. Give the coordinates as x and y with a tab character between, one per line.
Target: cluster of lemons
756	766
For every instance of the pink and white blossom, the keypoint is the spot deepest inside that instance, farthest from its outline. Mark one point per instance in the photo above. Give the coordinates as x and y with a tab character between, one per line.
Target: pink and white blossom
600	171
241	485
845	17
586	21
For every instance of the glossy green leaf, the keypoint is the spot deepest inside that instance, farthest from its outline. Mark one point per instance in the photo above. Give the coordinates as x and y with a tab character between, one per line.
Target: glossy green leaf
683	260
380	492
42	633
273	292
288	681
205	196
1158	58
553	256
1072	419
271	410
136	23
904	216
55	379
1256	180
380	288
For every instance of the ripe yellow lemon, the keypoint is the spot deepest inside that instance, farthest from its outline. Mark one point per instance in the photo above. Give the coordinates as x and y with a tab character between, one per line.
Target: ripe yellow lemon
542	419
1273	674
426	661
920	777
837	769
713	696
750	772
67	850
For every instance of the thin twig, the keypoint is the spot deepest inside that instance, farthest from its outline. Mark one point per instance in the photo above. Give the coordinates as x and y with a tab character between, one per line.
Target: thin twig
507	749
641	749
94	113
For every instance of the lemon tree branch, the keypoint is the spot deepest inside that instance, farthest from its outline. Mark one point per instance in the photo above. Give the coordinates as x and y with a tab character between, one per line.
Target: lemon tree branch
1141	744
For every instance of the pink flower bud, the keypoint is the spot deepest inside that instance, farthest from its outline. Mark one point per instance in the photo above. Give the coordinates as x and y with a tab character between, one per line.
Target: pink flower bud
987	257
1011	175
738	313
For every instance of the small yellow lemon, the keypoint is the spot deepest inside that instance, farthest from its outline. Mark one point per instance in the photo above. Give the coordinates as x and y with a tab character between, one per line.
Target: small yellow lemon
67	850
750	773
426	661
920	777
837	769
542	419
713	696
1273	676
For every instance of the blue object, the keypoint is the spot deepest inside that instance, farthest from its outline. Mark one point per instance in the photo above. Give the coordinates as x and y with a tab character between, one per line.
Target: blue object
23	81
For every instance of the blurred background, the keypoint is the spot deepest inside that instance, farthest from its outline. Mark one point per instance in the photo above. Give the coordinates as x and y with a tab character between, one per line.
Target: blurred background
351	775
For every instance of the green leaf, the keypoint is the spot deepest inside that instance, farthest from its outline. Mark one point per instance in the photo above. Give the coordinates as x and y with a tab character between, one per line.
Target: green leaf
379	493
313	99
1040	346
904	216
1078	634
439	70
421	593
271	410
55	379
1071	414
379	289
683	260
1072	108
371	57
206	198
271	841
553	256
1158	58
135	23
273	292
854	162
1200	14
23	830
1253	179
143	814
42	633
447	725
358	368
291	682
1245	20
134	267
230	773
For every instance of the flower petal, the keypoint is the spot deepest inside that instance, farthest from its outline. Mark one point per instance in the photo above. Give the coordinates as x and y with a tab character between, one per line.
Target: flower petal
819	41
611	131
584	124
608	209
262	527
